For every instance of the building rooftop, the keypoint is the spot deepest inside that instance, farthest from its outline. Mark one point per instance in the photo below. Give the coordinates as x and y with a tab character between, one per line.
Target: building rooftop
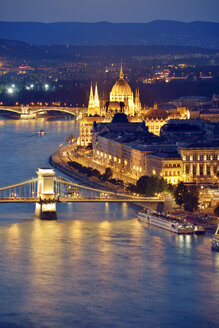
210	144
167	155
119	118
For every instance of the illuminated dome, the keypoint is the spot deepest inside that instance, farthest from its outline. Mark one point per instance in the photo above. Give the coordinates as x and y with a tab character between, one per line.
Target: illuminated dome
121	88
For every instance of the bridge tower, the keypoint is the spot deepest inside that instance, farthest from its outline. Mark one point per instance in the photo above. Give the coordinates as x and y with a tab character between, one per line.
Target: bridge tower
46	208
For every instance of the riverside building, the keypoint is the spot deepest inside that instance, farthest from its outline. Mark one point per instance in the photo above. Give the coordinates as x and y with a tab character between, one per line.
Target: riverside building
121	99
129	148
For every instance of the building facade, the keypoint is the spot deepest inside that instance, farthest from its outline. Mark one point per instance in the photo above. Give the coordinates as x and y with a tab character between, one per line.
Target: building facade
131	149
94	102
200	163
169	166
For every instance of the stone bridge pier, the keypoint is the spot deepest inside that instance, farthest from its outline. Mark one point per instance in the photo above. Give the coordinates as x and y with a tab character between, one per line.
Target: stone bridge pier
27	113
46	207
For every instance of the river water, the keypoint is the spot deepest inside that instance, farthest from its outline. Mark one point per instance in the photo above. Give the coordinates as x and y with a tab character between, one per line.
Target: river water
97	266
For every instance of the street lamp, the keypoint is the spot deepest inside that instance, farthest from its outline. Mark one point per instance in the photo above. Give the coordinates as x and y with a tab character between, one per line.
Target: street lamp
10	91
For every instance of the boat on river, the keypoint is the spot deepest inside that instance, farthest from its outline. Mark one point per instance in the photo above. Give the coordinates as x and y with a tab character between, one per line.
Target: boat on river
215	241
41	133
166	222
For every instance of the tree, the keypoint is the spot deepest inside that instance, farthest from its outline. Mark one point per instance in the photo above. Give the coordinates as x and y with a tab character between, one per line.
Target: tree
150	185
169	188
191	199
131	187
180	193
107	175
216	210
187	196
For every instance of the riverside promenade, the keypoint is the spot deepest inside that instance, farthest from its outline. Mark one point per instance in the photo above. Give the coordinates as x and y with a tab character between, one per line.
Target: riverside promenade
60	161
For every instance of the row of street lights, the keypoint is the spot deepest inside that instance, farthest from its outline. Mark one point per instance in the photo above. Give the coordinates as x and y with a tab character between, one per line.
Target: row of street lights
13	89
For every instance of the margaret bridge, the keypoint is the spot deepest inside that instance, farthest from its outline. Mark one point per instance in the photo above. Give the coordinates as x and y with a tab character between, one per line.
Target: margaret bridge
47	190
29	112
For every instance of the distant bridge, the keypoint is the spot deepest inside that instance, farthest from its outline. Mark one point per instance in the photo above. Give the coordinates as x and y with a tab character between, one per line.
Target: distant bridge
28	112
47	191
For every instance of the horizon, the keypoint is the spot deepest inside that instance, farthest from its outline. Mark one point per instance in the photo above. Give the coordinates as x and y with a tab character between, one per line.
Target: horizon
115	11
109	22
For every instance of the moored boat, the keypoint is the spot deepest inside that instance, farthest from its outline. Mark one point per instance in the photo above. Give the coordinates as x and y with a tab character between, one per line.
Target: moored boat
166	222
199	229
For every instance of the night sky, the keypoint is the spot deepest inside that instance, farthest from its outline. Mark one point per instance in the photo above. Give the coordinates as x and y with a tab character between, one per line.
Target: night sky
106	10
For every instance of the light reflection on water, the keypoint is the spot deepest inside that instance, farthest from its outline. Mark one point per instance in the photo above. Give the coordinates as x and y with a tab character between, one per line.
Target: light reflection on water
102	274
97	266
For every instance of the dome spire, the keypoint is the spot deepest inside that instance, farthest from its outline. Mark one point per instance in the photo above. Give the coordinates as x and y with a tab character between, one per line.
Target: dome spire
121	75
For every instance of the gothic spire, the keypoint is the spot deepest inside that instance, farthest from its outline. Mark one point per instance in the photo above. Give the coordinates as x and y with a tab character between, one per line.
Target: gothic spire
91	92
96	92
121	75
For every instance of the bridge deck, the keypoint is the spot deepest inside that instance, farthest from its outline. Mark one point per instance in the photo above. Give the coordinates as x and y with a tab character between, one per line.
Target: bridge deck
108	199
19	199
80	200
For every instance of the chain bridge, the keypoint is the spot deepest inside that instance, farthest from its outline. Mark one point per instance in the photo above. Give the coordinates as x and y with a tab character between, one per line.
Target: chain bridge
47	190
28	112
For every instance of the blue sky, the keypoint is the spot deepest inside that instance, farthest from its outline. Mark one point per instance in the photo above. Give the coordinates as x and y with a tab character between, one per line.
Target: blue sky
112	11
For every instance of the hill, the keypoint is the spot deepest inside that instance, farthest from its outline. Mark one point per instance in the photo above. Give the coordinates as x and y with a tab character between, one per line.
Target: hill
18	50
198	34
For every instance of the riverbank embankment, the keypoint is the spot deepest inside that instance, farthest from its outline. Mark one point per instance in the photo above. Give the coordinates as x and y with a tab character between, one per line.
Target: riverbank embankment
60	161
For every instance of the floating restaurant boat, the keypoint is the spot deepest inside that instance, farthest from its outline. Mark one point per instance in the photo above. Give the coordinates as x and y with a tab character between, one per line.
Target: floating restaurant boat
215	241
41	133
166	222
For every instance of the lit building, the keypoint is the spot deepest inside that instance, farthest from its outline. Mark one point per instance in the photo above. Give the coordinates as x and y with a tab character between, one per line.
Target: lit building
121	100
131	150
109	140
200	162
94	102
211	114
121	93
166	165
85	131
156	117
122	145
187	130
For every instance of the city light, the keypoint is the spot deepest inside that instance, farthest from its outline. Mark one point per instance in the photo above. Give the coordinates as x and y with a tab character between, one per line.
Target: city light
46	86
29	87
10	91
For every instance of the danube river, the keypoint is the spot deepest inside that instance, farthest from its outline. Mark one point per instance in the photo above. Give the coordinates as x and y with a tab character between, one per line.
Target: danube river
97	266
